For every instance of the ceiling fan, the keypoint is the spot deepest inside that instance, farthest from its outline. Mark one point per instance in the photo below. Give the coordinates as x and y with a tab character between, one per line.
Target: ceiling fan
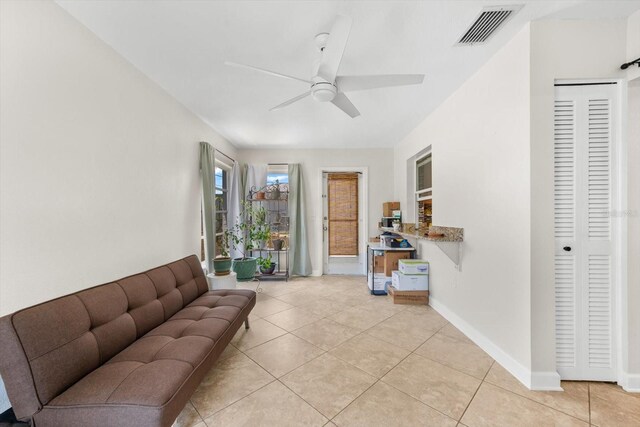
326	85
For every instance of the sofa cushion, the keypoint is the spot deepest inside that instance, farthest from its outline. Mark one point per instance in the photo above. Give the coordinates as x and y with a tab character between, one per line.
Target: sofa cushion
150	370
132	383
65	339
57	343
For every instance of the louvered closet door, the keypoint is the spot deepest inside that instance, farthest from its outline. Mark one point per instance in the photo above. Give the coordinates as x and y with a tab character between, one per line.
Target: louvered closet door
583	154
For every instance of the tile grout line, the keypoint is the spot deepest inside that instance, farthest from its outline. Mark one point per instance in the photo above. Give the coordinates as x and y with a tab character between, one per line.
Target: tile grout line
302	398
198	412
278	379
589	400
380	380
476	392
238	400
271	314
367	305
488	382
535	401
455	369
314	358
327	352
375	382
417	400
416	354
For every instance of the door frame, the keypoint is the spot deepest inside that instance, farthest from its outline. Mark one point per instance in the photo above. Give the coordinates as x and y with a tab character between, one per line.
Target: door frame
619	223
363	230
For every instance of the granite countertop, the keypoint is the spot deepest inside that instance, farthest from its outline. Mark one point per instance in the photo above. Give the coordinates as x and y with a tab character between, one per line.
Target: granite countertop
451	234
379	247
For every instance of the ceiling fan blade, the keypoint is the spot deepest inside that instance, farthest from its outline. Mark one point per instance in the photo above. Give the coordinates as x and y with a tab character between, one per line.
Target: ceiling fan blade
342	102
332	53
291	101
352	83
262	70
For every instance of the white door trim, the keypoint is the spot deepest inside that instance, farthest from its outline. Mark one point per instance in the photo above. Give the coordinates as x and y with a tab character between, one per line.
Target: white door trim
363	229
619	222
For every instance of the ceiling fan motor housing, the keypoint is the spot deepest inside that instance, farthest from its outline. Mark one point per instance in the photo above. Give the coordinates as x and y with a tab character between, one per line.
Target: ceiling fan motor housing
323	91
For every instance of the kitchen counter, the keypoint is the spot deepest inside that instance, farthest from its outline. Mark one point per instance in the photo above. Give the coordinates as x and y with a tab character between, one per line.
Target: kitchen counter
409	231
379	247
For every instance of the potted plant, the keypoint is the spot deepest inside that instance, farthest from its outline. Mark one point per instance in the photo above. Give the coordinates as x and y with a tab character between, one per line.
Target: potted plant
276	190
244	235
222	263
267	266
276	241
261	231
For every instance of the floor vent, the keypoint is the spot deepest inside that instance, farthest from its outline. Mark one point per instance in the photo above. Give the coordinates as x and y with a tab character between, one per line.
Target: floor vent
486	24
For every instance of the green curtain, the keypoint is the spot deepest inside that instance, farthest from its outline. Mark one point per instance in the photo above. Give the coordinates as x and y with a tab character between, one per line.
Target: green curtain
299	258
207	173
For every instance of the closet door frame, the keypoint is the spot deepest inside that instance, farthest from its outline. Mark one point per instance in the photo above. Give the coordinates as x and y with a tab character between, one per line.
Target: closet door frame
619	220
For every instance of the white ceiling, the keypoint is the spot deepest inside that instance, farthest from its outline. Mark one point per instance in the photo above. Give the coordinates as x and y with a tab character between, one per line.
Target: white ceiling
182	46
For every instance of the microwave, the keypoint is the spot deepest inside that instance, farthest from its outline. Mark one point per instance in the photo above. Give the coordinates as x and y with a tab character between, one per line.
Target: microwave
388	221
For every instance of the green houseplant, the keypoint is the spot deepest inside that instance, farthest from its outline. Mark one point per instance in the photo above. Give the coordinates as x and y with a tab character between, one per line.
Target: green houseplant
248	233
222	262
267	266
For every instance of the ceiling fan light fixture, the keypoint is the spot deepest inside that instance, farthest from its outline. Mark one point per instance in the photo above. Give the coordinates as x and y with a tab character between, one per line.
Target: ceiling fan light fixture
323	91
326	81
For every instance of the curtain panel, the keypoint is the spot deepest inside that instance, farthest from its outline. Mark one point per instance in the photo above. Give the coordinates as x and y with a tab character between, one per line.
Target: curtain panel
254	176
207	175
299	258
235	193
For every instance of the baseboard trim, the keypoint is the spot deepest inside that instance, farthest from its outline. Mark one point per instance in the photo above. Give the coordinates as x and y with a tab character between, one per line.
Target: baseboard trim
545	381
531	380
630	382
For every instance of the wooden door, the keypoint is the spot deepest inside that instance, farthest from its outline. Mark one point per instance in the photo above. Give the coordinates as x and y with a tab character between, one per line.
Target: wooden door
342	199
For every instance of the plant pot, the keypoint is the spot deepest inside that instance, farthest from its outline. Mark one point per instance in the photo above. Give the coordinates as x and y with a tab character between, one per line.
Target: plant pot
277	244
260	195
244	268
269	270
221	266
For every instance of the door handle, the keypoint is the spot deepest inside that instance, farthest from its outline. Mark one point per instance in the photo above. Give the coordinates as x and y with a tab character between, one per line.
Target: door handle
567	248
324	228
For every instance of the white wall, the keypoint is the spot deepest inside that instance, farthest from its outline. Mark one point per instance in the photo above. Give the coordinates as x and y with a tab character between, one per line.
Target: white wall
633	44
480	143
559	50
99	165
633	298
633	138
380	172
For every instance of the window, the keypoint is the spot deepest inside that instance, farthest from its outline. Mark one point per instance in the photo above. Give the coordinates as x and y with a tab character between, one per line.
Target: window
423	177
278	173
424	198
221	200
222	187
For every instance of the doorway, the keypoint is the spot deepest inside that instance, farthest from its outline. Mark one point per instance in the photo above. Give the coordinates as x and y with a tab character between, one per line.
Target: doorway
343	224
586	144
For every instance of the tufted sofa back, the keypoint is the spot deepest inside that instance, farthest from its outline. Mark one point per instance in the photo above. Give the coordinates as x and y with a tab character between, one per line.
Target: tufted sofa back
54	344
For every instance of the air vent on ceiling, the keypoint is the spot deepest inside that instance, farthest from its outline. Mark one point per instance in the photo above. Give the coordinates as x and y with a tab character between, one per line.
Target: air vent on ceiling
486	24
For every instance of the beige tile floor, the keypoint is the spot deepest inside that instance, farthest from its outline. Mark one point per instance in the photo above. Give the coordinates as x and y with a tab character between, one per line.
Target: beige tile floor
323	352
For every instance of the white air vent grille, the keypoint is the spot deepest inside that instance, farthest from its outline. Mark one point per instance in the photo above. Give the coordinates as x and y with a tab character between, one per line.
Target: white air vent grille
486	24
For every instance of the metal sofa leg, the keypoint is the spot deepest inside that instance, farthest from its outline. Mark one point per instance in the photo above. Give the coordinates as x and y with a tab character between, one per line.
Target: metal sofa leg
246	323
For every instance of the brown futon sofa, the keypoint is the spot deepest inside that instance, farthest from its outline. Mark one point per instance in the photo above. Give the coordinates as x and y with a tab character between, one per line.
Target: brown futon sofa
127	353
